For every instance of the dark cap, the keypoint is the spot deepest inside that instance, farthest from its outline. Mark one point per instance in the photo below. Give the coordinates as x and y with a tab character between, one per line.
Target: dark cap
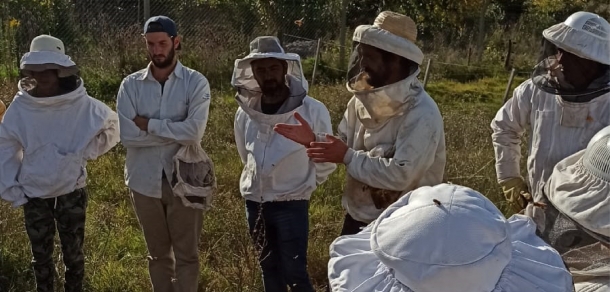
161	23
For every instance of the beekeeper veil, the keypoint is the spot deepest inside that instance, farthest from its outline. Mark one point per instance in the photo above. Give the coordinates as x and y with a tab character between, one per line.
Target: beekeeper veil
575	58
576	218
261	48
391	33
446	238
48	53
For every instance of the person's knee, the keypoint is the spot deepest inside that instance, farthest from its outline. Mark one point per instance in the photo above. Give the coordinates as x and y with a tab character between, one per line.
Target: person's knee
269	261
295	268
74	259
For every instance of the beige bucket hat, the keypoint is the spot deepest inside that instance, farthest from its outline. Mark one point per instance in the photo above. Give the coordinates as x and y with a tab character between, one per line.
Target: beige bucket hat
392	32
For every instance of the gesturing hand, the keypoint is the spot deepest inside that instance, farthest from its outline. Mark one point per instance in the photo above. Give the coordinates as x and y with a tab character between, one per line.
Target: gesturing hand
141	122
300	133
332	151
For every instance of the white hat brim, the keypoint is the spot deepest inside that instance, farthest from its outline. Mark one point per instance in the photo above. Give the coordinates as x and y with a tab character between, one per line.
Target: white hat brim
580	195
43	60
578	43
534	265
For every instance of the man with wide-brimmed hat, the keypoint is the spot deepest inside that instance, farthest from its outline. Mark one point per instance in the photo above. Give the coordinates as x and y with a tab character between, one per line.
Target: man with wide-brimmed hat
573	215
561	107
446	238
391	138
49	132
278	178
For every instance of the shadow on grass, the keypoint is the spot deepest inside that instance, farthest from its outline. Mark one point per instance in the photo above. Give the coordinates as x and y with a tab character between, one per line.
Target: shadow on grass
15	273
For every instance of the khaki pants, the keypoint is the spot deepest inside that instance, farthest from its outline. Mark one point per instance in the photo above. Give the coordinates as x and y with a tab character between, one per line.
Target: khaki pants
172	232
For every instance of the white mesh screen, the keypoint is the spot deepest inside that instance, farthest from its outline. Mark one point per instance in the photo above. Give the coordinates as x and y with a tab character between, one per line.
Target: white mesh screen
597	158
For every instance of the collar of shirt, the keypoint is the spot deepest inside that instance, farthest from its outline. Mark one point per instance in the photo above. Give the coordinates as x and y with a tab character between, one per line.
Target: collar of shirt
178	72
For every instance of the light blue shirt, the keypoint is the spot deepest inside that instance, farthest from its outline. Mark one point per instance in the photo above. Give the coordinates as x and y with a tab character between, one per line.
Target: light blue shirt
178	113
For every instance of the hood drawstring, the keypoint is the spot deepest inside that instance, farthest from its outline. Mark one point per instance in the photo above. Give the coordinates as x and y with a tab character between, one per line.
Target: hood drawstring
55	206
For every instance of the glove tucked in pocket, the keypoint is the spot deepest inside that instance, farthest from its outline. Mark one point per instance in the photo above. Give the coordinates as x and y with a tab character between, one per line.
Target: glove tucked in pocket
381	197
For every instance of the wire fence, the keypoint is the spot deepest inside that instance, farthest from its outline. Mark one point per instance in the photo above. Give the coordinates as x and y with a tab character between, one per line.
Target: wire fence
104	36
218	32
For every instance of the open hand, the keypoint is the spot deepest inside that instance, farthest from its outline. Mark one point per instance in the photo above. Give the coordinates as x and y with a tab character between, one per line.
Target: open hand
300	133
141	122
332	151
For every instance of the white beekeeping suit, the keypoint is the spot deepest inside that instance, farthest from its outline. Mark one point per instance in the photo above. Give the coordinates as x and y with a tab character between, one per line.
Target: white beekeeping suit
576	218
561	107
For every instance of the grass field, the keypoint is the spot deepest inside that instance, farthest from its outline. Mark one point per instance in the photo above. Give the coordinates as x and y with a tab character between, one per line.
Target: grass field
115	249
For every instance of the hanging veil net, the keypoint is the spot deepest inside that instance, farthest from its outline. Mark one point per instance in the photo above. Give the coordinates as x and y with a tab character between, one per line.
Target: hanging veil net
549	75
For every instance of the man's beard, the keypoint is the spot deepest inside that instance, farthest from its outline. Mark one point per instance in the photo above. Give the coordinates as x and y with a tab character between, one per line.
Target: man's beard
363	80
272	92
169	60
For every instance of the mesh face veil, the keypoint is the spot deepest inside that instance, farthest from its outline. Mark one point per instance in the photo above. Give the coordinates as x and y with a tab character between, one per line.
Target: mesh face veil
262	48
550	75
574	59
357	77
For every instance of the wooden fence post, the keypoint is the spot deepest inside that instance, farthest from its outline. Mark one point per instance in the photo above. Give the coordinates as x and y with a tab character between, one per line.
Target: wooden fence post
427	72
508	86
508	54
315	64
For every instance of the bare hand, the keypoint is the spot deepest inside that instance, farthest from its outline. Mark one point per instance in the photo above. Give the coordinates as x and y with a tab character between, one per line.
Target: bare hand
332	151
300	133
141	122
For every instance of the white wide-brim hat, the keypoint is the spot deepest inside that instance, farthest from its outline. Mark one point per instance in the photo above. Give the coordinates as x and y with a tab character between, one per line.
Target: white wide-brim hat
583	34
446	238
47	53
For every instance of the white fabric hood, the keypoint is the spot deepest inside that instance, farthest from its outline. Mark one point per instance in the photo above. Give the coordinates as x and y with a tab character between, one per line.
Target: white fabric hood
580	186
434	235
262	48
57	102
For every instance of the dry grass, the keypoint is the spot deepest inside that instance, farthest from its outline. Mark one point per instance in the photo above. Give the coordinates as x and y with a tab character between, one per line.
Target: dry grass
115	249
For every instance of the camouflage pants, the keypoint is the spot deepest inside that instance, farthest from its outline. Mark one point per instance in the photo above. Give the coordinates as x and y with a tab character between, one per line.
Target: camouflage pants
67	214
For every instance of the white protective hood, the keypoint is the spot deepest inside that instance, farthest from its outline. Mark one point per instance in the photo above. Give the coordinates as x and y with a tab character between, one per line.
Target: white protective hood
262	48
446	238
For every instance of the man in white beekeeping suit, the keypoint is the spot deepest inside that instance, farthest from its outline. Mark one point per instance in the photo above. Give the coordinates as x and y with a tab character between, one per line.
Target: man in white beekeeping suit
562	106
391	138
574	217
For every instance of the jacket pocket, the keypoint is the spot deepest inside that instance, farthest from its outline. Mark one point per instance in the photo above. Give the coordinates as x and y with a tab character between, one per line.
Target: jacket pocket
287	166
47	171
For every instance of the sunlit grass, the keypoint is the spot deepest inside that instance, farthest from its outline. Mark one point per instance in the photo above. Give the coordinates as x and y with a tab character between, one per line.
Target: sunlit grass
115	249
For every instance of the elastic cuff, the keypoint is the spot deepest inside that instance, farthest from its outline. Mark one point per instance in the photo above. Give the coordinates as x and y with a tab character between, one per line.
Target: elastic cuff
347	158
154	126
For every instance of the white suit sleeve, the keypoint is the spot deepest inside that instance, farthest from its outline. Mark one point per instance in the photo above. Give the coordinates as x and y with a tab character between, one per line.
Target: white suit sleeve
343	129
240	140
416	145
191	130
107	138
11	154
131	136
508	127
323	124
